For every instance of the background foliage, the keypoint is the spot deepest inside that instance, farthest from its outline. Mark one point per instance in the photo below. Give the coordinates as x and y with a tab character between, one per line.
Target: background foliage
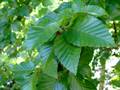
59	44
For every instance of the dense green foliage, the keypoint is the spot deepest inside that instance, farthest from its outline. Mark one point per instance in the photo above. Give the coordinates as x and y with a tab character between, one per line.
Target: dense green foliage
57	44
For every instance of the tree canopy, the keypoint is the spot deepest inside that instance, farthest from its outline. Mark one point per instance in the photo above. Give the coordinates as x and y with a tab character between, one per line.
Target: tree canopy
59	44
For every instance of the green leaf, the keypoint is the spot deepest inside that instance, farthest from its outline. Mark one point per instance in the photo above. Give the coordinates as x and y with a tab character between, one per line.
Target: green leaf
3	21
23	10
85	58
94	10
113	8
117	66
35	3
51	67
43	11
47	2
47	58
16	26
76	84
89	31
46	82
85	71
67	54
27	86
22	72
115	82
77	5
39	35
42	31
49	18
86	55
24	67
63	6
60	86
44	53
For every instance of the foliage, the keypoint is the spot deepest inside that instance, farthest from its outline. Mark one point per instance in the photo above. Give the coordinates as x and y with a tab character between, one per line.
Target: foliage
52	44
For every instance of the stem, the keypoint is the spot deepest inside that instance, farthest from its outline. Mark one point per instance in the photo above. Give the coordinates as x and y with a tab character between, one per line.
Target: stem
102	78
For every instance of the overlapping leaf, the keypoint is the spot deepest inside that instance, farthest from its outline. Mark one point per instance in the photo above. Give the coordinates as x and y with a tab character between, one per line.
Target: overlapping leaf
25	67
77	84
79	7
67	54
94	10
51	67
27	86
46	82
85	58
49	18
39	35
113	8
59	86
44	53
22	72
47	59
89	31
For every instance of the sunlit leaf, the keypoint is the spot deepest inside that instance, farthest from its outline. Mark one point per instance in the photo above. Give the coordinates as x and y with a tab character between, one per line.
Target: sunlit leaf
89	31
